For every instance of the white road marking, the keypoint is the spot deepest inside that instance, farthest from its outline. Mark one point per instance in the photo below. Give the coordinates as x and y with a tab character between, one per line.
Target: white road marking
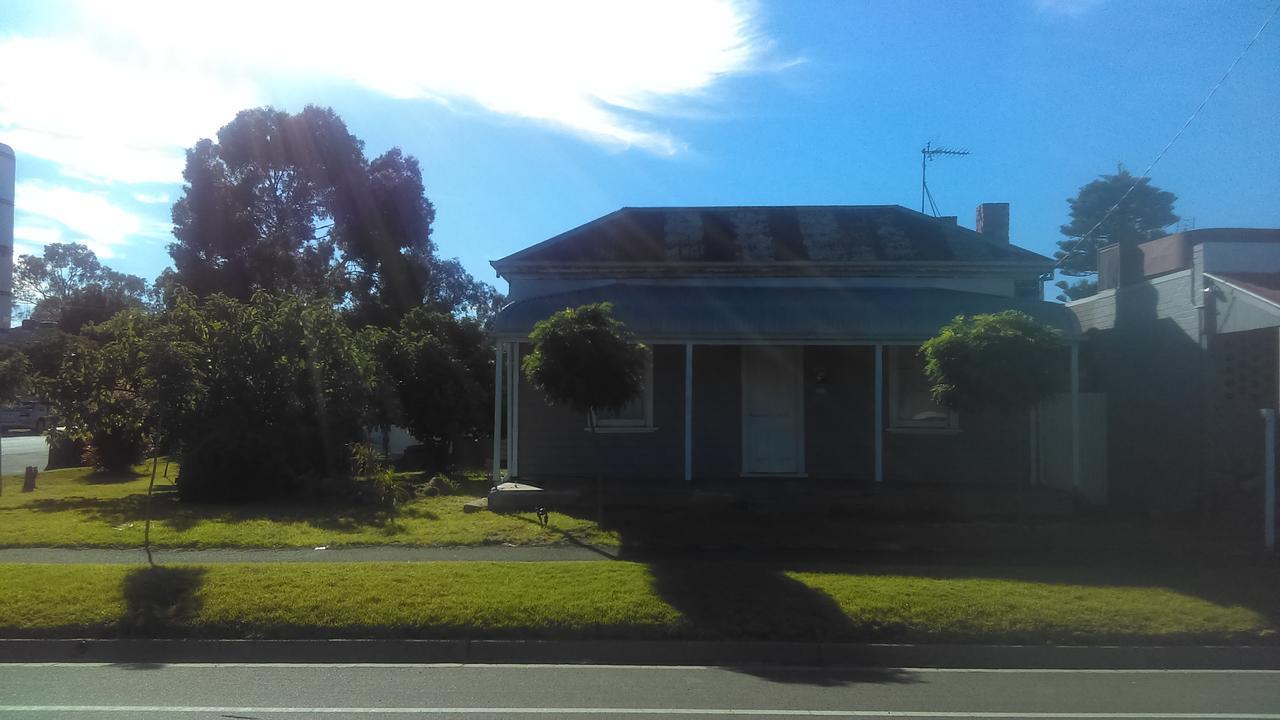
679	668
744	712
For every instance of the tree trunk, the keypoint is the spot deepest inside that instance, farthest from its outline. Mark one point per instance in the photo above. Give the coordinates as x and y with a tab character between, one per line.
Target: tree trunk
151	486
595	452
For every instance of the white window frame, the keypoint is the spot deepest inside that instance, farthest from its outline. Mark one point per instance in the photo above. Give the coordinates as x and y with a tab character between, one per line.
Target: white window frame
622	425
899	424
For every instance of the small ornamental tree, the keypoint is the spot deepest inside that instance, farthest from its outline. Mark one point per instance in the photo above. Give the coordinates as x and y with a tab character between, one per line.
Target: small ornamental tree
1005	361
586	360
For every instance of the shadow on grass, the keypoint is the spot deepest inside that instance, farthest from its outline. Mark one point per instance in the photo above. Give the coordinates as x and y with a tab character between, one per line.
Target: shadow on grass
161	601
170	512
565	535
111	477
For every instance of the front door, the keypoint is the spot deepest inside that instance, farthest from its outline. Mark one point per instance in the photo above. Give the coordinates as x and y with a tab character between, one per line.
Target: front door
772	411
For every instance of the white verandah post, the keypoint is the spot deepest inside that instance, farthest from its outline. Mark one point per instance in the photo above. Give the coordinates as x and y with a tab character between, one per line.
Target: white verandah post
513	410
497	413
879	444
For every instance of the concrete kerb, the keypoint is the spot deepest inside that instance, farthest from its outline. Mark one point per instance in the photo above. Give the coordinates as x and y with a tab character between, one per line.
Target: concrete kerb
165	651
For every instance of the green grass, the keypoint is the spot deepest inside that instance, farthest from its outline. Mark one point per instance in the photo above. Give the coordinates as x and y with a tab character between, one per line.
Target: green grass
78	508
619	600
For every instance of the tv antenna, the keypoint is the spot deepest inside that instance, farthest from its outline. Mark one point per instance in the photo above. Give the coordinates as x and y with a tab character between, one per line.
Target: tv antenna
927	154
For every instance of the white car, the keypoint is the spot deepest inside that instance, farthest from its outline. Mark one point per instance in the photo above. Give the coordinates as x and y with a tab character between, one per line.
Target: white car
29	415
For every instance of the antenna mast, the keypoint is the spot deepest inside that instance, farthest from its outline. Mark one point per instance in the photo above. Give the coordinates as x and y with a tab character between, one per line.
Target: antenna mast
927	153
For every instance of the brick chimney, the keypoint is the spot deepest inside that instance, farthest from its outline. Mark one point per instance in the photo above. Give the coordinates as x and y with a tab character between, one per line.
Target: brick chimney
993	222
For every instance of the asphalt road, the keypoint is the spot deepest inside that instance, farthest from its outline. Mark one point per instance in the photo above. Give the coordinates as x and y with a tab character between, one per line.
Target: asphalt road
82	691
17	451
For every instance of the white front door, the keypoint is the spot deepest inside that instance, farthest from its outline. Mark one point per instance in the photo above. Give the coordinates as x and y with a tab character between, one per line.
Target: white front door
772	411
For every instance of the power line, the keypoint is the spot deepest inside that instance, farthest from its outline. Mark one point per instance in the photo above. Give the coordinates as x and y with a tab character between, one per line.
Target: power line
1146	175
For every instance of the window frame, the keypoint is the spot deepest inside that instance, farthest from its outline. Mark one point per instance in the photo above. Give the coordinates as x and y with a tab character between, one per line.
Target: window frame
899	424
622	425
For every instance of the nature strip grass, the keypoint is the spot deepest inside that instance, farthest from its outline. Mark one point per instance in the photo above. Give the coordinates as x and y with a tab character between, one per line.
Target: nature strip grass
595	600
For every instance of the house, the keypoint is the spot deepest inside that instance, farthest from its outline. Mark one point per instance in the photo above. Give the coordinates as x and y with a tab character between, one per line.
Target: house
1182	339
782	347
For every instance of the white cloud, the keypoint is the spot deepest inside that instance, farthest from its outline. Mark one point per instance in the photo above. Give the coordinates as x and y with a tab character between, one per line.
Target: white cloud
106	117
125	87
130	85
86	217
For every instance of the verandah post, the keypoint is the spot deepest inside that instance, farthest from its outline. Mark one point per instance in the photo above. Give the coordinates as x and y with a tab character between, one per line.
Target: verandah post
497	413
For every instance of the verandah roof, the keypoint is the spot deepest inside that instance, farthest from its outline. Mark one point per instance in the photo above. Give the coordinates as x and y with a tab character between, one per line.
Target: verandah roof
729	314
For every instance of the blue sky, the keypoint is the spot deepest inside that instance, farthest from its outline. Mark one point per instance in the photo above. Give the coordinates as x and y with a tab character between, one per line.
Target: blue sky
530	119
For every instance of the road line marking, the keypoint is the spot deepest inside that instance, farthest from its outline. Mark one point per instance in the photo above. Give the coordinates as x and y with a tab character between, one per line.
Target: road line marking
745	712
680	668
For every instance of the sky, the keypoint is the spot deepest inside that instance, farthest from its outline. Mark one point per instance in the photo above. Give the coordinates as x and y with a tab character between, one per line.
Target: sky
532	118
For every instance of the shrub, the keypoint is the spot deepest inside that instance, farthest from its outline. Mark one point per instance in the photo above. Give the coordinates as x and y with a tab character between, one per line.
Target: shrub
115	450
269	406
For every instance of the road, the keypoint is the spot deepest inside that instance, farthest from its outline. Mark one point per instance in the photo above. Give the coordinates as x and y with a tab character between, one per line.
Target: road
17	451
482	692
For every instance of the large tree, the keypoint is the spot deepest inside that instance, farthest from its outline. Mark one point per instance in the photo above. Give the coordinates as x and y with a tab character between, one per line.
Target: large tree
288	203
1140	216
67	284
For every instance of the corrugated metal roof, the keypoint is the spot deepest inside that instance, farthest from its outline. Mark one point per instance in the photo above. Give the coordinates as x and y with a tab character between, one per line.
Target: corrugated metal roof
762	235
791	314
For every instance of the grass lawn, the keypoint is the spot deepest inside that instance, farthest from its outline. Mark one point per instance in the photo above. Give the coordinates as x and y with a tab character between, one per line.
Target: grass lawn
620	600
79	508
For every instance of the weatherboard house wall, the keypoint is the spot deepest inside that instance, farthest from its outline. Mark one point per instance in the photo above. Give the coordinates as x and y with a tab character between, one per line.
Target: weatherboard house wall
777	335
1184	344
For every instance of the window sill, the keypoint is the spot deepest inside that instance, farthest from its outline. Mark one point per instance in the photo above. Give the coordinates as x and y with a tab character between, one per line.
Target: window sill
923	431
621	429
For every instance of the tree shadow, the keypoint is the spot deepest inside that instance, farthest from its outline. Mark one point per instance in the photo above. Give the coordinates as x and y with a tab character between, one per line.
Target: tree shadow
110	477
168	511
161	601
566	535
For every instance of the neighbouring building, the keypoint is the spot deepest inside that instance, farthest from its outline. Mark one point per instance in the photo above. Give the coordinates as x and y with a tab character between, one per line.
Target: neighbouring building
782	349
1182	340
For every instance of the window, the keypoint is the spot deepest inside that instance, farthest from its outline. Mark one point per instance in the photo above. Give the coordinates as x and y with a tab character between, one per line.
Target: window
635	415
910	404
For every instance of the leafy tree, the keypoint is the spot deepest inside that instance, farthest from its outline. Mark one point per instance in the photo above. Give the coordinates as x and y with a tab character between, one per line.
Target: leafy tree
289	204
1142	215
68	284
585	359
267	397
434	367
1005	361
15	376
1075	291
99	392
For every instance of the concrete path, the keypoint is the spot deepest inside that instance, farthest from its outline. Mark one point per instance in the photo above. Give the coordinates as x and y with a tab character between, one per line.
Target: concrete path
230	690
354	554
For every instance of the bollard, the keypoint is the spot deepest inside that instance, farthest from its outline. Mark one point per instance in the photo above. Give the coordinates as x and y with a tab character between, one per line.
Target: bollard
29	479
